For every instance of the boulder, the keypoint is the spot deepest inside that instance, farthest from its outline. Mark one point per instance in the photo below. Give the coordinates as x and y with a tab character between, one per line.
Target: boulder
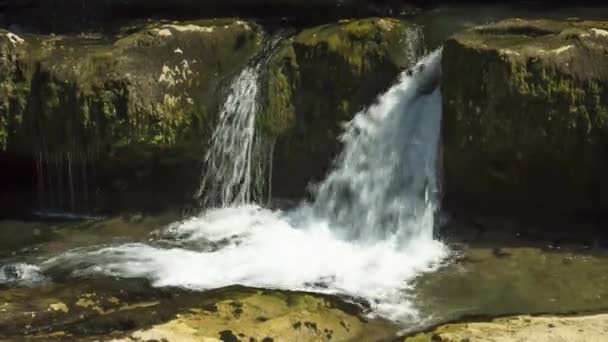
525	125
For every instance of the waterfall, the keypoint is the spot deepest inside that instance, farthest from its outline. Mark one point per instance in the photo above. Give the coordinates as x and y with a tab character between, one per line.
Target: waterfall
236	163
385	180
367	235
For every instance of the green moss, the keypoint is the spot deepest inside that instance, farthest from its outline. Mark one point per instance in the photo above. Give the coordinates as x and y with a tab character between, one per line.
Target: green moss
278	111
156	84
360	43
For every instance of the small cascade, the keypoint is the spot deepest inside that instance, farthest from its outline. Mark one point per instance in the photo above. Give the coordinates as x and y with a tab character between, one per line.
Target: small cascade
236	164
385	181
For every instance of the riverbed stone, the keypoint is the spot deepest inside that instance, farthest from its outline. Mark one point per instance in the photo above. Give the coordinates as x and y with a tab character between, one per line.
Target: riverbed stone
526	117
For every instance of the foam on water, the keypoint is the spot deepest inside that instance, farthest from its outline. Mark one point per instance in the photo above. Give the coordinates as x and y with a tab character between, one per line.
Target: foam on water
20	274
367	235
258	247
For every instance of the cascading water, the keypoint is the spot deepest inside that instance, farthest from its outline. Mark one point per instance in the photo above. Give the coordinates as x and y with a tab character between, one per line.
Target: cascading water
235	167
385	183
367	234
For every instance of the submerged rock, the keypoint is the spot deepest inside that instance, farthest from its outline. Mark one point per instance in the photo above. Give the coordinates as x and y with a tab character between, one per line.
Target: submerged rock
526	117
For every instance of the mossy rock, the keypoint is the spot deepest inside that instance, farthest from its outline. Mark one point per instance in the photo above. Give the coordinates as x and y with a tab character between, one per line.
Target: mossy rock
318	80
140	101
525	125
155	86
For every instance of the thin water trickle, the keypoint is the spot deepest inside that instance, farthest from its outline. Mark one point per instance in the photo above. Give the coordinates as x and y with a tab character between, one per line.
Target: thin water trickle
227	174
62	181
235	165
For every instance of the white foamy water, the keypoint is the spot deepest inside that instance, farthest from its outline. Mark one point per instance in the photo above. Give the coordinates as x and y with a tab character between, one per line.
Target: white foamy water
20	274
367	235
261	248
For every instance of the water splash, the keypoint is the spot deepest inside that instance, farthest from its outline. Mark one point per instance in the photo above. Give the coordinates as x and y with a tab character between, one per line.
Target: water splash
21	274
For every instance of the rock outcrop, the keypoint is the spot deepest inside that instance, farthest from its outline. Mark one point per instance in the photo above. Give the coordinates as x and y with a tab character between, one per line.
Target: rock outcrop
526	117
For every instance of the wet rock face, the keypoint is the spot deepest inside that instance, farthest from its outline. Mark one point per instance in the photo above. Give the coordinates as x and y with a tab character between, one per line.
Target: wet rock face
526	117
13	50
